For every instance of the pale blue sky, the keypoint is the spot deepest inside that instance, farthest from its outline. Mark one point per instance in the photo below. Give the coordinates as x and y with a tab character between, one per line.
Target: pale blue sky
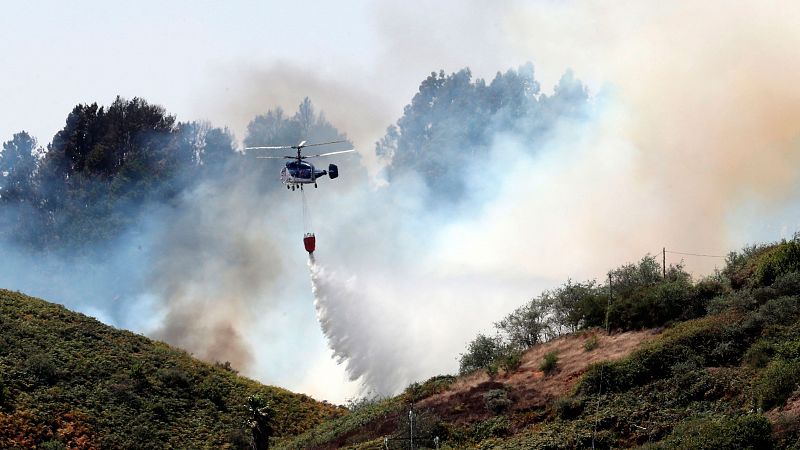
188	55
57	54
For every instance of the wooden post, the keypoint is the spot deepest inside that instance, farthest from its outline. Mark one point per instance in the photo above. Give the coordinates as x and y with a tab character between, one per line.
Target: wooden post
608	306
664	261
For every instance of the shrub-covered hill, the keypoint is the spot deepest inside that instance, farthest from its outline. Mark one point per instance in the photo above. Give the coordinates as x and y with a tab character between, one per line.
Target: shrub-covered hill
69	381
718	368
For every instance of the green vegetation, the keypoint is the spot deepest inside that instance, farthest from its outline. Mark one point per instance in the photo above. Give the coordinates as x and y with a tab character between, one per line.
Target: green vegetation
102	172
497	401
591	343
638	295
777	383
68	381
749	431
549	362
727	359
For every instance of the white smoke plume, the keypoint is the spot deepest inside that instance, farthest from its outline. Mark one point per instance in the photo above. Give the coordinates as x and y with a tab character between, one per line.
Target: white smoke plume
389	331
692	144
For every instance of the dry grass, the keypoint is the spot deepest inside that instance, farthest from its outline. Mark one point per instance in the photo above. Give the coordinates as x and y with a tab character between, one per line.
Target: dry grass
528	385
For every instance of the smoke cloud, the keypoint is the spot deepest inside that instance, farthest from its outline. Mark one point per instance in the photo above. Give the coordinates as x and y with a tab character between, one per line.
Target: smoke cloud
215	266
690	142
694	119
697	119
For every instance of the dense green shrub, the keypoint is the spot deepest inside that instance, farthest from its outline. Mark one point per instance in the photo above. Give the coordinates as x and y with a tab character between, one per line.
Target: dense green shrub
5	395
716	341
740	266
789	349
498	426
175	378
777	383
527	325
416	391
750	431
549	362
42	368
591	343
497	401
53	445
511	360
568	408
480	354
777	311
655	304
779	260
787	284
759	354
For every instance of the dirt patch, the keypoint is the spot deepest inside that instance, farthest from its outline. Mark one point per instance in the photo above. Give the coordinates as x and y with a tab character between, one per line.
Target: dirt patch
528	386
787	418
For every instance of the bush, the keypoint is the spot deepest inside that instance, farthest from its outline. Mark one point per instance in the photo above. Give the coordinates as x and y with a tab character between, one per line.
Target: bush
527	325
480	354
358	403
495	427
789	349
4	394
777	383
787	284
740	266
779	260
417	391
175	378
568	408
655	304
591	343
759	354
741	300
511	360
42	368
497	401
778	311
53	445
750	431
714	340
549	362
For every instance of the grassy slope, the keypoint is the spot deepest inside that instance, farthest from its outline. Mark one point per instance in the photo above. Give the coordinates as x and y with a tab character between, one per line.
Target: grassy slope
727	380
68	380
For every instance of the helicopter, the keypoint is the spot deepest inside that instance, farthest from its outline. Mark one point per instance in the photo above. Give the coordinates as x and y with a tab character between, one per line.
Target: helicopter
299	172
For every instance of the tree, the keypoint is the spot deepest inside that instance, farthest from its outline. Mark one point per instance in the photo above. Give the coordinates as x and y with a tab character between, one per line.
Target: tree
527	325
18	164
566	303
629	277
481	353
260	421
218	148
453	120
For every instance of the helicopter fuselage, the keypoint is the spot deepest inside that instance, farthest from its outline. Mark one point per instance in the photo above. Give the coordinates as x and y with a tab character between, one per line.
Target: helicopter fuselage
297	173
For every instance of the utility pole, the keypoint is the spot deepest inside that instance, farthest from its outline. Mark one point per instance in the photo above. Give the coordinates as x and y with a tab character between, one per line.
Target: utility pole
411	429
664	261
608	306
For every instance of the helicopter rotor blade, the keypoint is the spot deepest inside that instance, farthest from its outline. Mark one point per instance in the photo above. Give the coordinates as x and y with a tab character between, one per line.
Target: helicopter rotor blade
276	157
269	148
329	153
321	143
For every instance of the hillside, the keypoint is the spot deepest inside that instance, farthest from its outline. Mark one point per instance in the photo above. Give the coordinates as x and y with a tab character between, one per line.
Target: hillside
721	371
69	381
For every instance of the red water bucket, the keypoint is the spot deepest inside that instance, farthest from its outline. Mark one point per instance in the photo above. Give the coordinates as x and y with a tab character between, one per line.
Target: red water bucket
310	242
